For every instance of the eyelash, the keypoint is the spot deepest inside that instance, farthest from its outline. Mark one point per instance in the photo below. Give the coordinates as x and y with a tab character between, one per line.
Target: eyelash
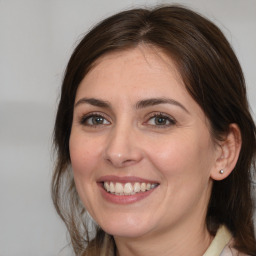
86	117
166	118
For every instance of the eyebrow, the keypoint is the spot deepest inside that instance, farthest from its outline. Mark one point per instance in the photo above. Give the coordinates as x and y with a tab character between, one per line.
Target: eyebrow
158	101
139	105
94	102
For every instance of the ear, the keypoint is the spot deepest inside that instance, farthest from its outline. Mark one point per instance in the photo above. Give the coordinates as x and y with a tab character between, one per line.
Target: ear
227	153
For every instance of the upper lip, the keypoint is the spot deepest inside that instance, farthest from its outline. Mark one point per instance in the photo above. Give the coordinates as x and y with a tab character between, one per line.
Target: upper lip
125	179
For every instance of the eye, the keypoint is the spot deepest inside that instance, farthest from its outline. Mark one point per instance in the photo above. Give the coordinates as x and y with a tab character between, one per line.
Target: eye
160	119
94	120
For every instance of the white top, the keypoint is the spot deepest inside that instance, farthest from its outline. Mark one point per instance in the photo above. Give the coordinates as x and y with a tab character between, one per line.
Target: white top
222	244
218	244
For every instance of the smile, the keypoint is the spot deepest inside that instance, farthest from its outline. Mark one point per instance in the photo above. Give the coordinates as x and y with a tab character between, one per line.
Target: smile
128	188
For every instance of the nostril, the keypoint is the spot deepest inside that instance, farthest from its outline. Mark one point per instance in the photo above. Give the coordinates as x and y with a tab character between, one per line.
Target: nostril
119	162
128	161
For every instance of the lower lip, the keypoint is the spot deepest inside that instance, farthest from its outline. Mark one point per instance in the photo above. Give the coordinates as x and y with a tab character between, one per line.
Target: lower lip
124	199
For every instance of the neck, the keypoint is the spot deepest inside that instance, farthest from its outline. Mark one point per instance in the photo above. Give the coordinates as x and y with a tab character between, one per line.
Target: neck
193	242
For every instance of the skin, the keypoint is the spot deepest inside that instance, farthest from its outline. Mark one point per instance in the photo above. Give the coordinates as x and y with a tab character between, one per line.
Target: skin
180	154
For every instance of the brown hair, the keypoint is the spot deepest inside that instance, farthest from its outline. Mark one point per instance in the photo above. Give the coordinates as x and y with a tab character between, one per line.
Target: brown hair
212	76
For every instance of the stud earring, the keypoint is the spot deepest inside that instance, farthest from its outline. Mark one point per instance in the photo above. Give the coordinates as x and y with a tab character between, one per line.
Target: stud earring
221	171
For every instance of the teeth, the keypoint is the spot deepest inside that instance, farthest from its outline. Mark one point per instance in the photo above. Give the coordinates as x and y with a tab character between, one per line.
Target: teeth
112	187
143	187
106	186
137	187
128	188
119	188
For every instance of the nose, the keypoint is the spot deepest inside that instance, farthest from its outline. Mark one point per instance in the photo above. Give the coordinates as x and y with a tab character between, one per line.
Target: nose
122	147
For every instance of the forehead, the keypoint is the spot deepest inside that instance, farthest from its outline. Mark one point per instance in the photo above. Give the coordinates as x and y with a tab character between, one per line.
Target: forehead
148	54
143	67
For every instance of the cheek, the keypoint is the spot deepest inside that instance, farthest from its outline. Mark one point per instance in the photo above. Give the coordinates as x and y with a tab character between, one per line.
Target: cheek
84	158
183	156
83	155
185	165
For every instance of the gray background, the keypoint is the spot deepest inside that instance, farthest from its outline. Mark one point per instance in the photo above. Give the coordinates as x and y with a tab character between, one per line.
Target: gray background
36	40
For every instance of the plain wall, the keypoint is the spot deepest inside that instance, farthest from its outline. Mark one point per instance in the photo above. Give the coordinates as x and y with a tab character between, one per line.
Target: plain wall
36	40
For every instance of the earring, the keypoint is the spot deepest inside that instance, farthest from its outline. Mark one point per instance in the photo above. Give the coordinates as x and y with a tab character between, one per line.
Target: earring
221	171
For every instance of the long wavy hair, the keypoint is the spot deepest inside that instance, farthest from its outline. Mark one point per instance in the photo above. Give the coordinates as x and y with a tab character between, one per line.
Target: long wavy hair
212	76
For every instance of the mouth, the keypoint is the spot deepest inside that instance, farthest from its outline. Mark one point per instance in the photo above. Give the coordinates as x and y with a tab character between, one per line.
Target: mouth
128	188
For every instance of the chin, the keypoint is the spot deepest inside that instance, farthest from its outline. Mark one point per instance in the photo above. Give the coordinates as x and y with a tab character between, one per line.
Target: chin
131	228
127	233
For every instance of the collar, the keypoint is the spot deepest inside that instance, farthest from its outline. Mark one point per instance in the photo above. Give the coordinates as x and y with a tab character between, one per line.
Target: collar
222	238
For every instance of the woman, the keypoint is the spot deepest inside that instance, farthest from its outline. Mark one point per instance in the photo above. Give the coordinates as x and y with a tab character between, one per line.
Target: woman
154	139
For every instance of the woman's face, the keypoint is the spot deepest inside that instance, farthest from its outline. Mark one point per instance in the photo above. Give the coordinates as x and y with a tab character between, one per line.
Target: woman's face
140	146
